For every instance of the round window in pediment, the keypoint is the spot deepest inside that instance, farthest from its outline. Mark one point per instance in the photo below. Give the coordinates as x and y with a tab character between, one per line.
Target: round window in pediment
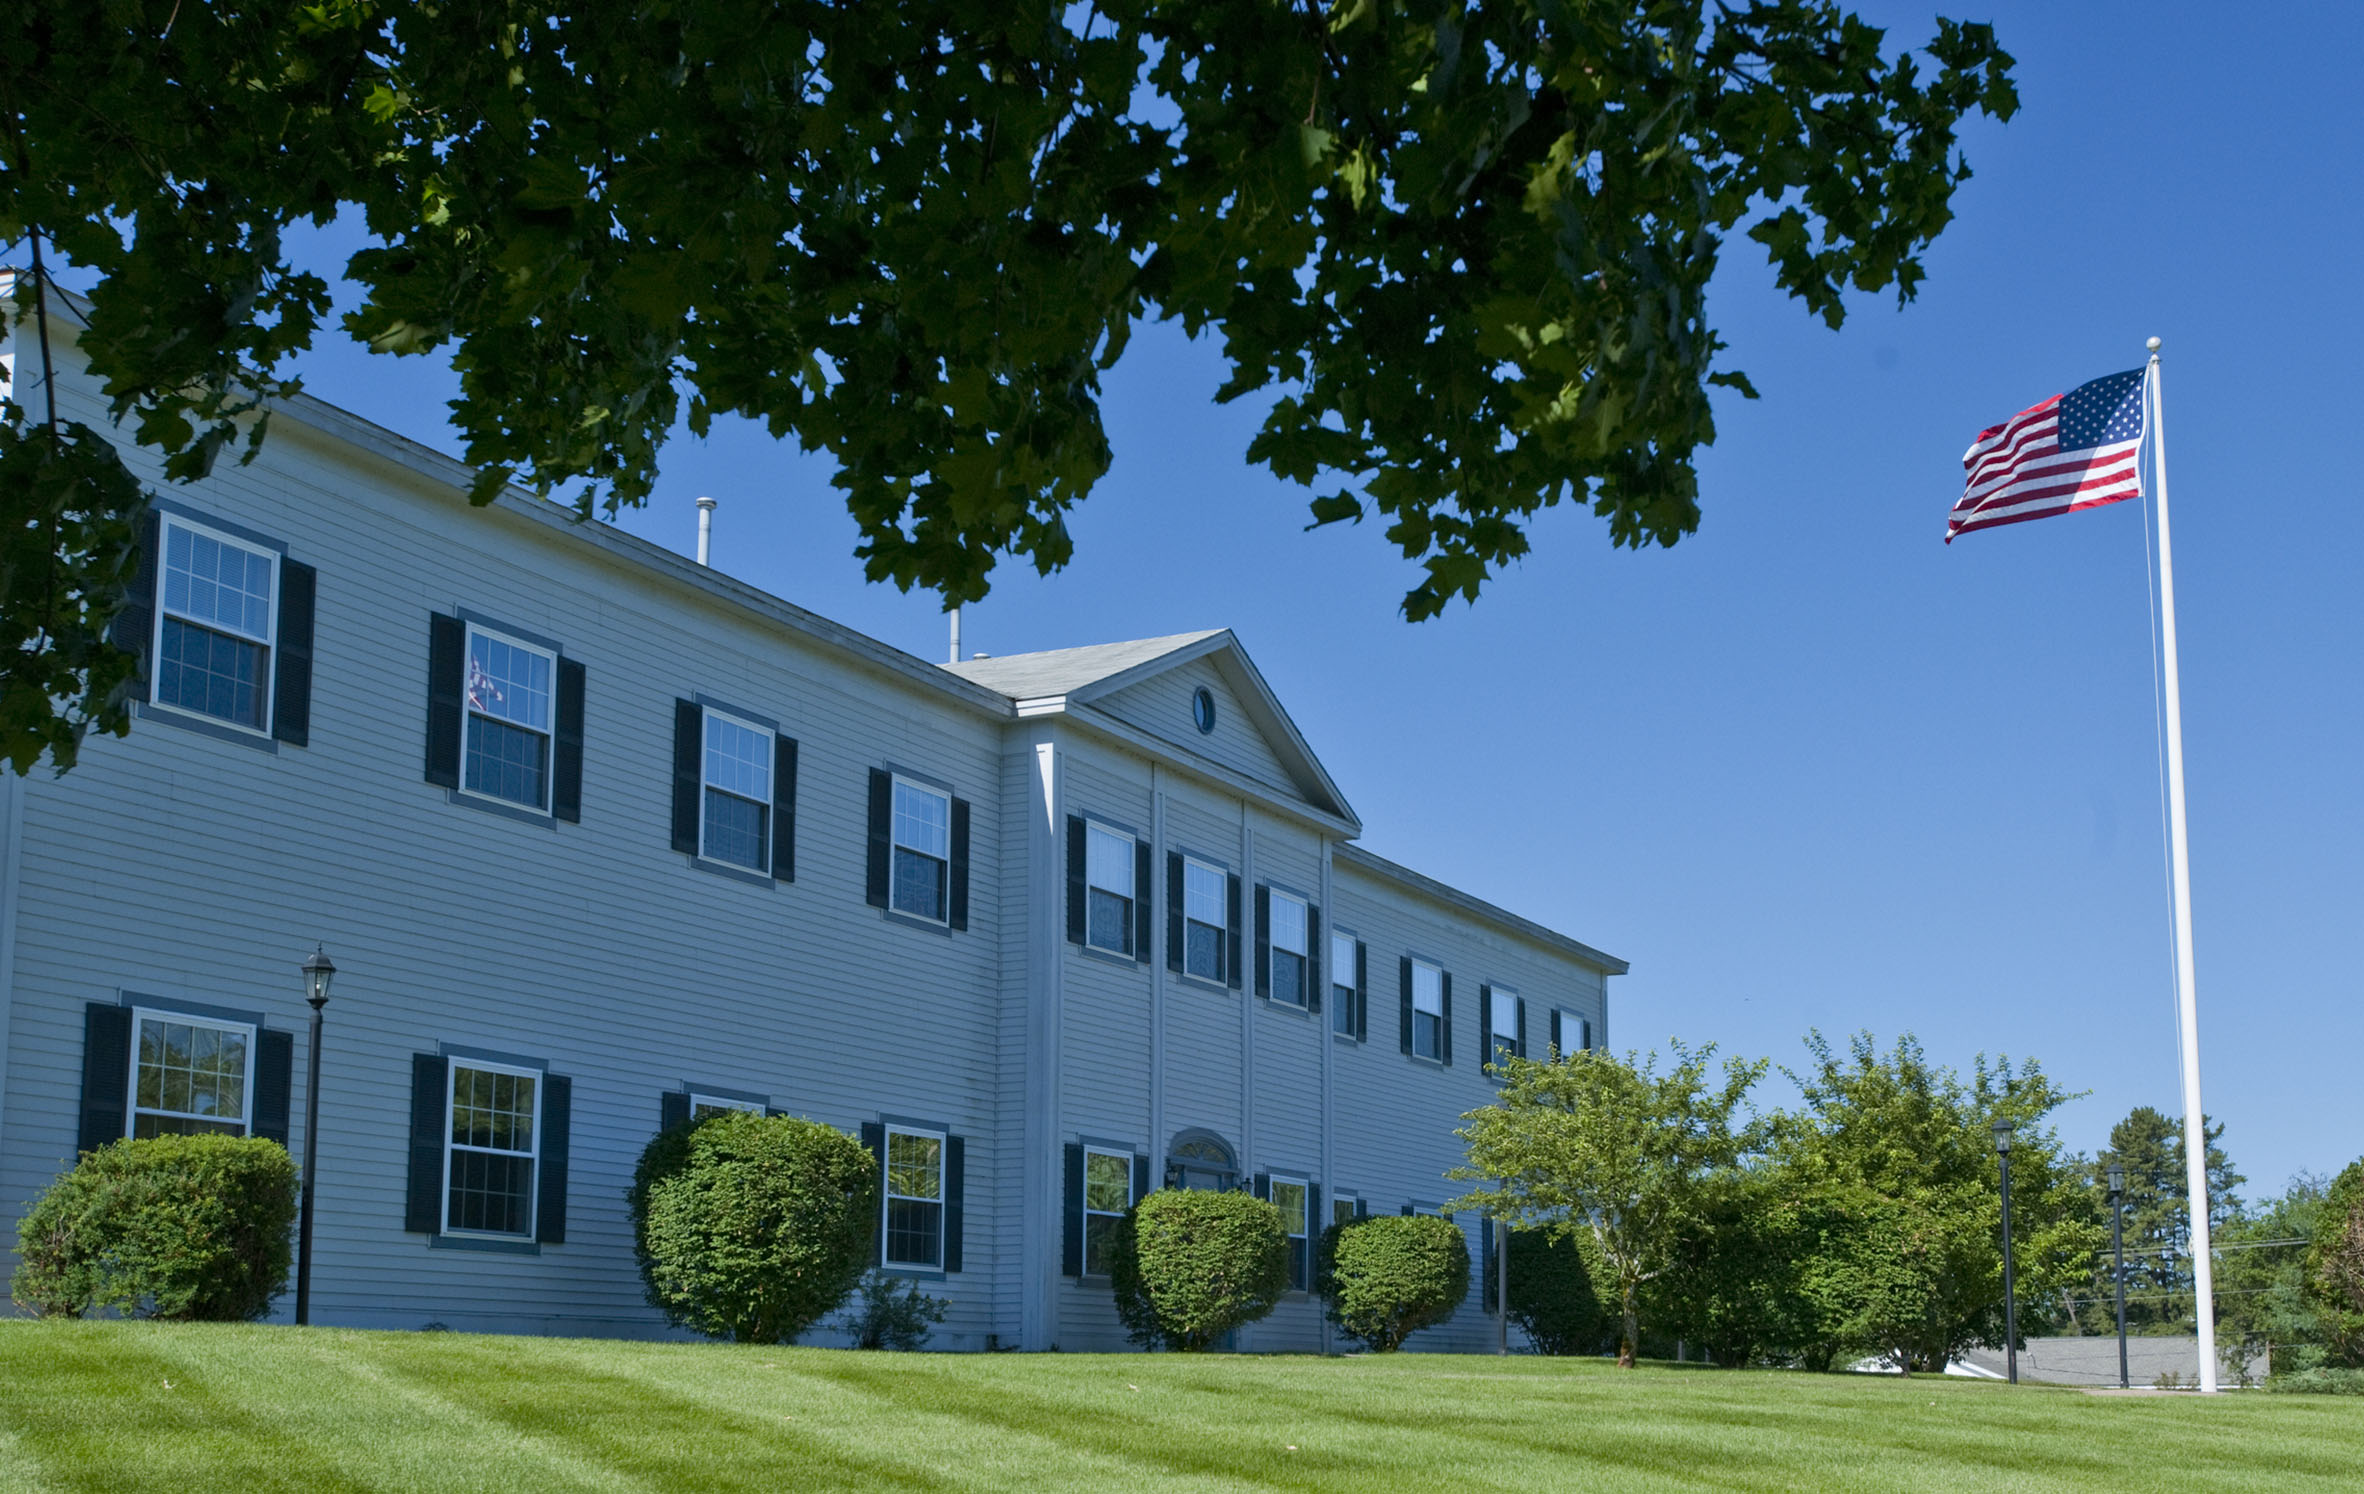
1202	708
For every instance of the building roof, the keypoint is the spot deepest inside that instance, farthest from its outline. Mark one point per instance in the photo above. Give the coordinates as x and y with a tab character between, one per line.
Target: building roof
1065	671
1349	854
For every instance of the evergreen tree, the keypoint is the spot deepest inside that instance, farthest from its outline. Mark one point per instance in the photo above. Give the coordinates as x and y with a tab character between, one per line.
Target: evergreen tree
2149	1146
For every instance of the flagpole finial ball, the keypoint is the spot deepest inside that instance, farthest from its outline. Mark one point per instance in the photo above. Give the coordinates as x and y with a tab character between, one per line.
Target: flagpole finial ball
2153	344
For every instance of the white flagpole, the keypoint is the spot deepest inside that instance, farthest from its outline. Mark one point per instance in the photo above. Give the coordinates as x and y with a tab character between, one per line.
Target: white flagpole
2187	1007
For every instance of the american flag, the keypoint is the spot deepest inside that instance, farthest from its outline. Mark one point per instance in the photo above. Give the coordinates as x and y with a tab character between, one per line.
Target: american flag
483	689
2075	450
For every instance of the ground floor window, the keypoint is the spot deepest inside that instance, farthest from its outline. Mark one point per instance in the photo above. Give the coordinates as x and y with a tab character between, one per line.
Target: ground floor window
705	1107
914	1205
190	1076
1290	1196
489	1159
1108	1192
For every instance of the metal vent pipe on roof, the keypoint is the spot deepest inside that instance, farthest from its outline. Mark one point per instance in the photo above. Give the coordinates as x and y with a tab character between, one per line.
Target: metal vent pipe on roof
955	635
705	530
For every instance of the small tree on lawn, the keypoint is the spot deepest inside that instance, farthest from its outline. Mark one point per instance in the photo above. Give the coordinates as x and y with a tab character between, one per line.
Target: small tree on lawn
2335	1268
1597	1144
1188	1267
1385	1279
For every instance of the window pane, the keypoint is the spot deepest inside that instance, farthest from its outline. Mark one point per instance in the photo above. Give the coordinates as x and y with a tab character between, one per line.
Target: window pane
1108	861
915	1165
194	1071
1288	924
1203	895
1099	1230
738	758
1428	993
1341	1210
1111	921
1425	1029
490	1192
923	821
227	586
919	884
1342	960
1108	1182
911	1232
1288	977
734	830
198	669
505	761
1506	1012
703	1108
1289	1198
492	1109
508	681
1342	1010
1202	951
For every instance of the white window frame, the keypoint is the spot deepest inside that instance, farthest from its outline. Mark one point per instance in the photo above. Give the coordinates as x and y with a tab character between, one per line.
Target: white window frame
1135	921
1302	1237
1222	877
707	786
1437	987
166	523
1089	1213
1502	994
698	1102
549	734
1583	1027
1274	897
133	1109
896	846
533	1187
887	1195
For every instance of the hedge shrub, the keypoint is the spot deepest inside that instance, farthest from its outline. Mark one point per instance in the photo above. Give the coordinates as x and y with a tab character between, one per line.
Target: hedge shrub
1390	1276
1189	1266
2335	1269
1552	1295
194	1228
754	1227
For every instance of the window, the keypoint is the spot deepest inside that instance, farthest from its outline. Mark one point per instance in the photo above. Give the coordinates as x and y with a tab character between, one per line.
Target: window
736	823
1205	918
1342	1009
1503	1020
706	1107
508	697
1428	1011
1342	1210
914	1197
1290	944
191	1076
494	1137
1575	1032
923	850
1108	1192
1289	1196
213	629
1108	872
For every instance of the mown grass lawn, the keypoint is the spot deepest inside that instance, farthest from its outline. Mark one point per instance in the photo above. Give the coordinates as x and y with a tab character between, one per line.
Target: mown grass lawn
138	1406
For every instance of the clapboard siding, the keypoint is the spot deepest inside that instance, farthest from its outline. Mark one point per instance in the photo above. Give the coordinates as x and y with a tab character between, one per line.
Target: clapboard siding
1161	706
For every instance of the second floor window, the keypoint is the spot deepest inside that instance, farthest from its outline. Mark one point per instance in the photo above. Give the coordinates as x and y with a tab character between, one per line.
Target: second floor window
213	628
735	825
507	744
1575	1032
923	850
1428	1011
1345	1019
1205	919
1291	941
1503	1019
191	1076
1108	873
914	1222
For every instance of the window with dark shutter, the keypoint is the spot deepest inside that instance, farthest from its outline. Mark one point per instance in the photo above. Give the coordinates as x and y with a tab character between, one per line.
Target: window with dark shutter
566	774
1142	879
1362	991
1078	910
557	1125
673	1109
956	1175
882	802
1407	1003
274	1084
423	1199
106	1074
1174	939
783	809
1232	930
446	673
1072	1213
1313	958
1263	940
1485	1022
960	863
689	739
1445	980
291	676
874	1138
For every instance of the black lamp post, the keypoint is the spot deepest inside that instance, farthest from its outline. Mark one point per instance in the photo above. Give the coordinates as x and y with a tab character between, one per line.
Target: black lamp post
2118	1249
319	970
2002	1129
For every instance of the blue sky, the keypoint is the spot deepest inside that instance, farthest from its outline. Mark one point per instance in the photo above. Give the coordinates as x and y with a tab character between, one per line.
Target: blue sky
1811	767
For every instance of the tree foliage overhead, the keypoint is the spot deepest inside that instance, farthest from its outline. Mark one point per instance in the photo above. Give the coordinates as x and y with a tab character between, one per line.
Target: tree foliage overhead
1462	248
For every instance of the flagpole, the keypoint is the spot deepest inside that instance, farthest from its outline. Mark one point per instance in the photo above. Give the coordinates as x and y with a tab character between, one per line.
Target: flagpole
2187	1006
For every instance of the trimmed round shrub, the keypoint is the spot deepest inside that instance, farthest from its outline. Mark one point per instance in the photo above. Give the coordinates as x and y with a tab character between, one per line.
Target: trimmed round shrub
1552	1296
667	1153
754	1227
192	1228
1189	1266
2335	1268
1390	1276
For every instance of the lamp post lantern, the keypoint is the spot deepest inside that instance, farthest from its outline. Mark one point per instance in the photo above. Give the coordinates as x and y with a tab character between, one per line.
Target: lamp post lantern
2118	1249
2002	1130
319	970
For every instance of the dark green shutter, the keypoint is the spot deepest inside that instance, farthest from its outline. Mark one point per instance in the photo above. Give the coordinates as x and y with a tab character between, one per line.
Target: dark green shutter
557	1125
1174	931
1231	929
1521	1039
874	1137
689	778
423	1200
1407	1004
106	1071
291	674
1142	881
566	778
1141	1179
672	1109
1071	1231
447	667
1445	1024
1078	914
1263	940
1313	958
882	810
1362	1208
274	1084
134	628
960	863
1264	1186
1362	991
1557	1051
956	1176
1485	1023
783	809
